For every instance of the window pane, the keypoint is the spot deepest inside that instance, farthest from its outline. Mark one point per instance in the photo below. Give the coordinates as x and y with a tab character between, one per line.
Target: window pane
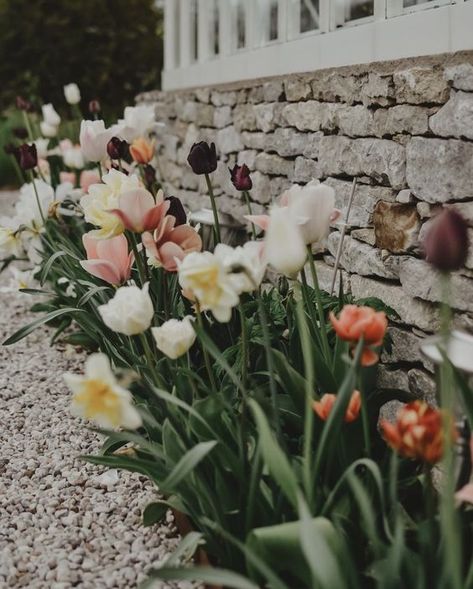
240	24
411	3
309	15
267	21
348	10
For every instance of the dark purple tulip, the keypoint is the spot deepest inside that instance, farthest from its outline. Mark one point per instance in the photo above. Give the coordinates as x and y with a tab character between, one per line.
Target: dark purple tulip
23	104
117	148
149	176
446	242
27	156
202	158
240	176
176	210
20	132
94	107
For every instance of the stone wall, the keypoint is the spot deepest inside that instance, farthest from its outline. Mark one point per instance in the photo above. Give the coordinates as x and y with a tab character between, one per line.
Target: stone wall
404	129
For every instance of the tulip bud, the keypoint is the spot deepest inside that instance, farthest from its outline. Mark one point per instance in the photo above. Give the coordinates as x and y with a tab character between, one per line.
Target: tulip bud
202	158
27	156
150	176
240	176
446	242
142	151
23	104
20	132
176	210
94	107
117	148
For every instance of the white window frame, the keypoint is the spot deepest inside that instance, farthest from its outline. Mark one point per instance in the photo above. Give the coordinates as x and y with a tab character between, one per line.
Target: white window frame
393	32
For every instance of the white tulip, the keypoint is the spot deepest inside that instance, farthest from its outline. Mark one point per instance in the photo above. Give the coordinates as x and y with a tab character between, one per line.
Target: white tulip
312	208
73	158
93	140
284	245
50	116
130	311
174	337
72	93
136	122
42	147
48	130
245	264
98	396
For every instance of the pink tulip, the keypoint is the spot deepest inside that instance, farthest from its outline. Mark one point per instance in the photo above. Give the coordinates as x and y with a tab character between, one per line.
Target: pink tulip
108	259
168	243
87	178
138	211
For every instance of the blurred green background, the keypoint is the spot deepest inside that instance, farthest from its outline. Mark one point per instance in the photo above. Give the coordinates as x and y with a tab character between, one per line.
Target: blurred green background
113	49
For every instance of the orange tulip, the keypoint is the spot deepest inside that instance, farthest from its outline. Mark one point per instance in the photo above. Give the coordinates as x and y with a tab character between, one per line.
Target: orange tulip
355	323
324	406
417	432
142	151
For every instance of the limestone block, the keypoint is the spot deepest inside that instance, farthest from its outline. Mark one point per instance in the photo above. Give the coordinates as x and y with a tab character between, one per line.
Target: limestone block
336	87
261	191
268	115
405	347
383	160
419	280
274	165
363	259
297	89
405	196
195	112
439	170
229	140
411	311
311	115
289	142
253	140
222	98
403	118
244	117
466	210
305	170
278	185
378	89
273	91
422	385
202	94
248	157
255	95
396	226
421	85
222	116
461	76
355	121
366	235
455	118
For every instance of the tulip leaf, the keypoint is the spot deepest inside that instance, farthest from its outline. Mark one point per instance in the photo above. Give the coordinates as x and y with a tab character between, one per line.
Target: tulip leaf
154	513
27	329
47	267
89	294
206	574
187	464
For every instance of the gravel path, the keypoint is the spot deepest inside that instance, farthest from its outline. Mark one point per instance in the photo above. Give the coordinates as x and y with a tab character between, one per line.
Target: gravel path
63	523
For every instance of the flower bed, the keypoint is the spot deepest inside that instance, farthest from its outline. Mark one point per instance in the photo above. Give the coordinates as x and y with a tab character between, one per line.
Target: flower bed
252	405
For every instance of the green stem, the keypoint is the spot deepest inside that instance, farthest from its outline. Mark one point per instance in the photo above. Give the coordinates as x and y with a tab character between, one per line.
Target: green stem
218	238
139	261
99	168
166	295
208	365
320	307
26	119
37	198
246	195
150	360
244	347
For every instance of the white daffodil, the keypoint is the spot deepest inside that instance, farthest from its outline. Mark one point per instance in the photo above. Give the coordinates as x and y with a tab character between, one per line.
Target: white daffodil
20	279
10	238
102	198
245	264
205	279
98	396
130	311
284	245
72	93
174	337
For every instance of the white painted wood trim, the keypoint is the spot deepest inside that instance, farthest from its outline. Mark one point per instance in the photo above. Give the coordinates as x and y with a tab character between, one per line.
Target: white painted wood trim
426	32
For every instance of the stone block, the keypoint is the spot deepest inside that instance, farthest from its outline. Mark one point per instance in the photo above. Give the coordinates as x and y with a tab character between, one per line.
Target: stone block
405	196
222	98
202	94
254	140
248	157
366	235
297	89
195	112
461	76
455	118
268	115
261	191
222	116
439	170
419	280
363	259
396	226
411	311
288	142
244	117
422	385
255	95
273	91
401	119
355	121
378	89
311	116
405	347
305	170
466	210
336	87
383	160
229	140
421	85
274	165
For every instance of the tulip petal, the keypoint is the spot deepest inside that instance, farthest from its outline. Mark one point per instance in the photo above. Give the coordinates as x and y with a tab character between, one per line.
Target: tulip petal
168	254
90	245
261	221
103	270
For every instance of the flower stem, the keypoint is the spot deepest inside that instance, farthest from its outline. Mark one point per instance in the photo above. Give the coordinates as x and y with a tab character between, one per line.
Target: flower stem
217	235
26	119
37	198
150	360
208	365
139	261
320	307
246	195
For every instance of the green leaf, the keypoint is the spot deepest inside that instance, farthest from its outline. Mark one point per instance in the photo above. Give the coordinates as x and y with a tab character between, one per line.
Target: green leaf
34	291
208	575
90	293
185	549
154	513
47	267
275	459
187	464
24	331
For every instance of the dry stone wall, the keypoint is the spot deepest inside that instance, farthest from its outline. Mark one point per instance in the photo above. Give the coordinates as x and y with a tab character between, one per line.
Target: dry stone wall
404	129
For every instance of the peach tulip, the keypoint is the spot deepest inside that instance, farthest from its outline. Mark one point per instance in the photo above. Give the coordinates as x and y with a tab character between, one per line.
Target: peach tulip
138	211
355	323
108	259
324	407
142	151
169	243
